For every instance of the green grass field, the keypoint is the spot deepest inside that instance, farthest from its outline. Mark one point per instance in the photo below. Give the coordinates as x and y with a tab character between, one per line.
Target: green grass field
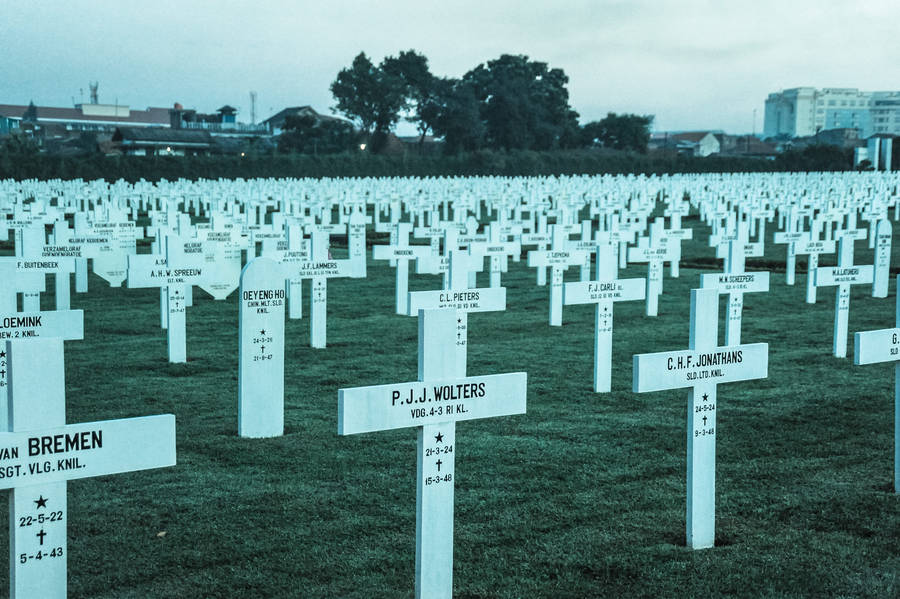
583	496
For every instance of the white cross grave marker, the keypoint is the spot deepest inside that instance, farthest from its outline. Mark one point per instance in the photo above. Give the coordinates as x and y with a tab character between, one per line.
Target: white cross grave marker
558	258
843	275
883	345
813	246
701	369
655	251
182	267
41	452
442	396
735	282
605	290
319	268
400	254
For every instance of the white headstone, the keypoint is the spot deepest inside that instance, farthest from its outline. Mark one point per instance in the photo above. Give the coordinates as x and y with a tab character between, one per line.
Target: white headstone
882	275
261	355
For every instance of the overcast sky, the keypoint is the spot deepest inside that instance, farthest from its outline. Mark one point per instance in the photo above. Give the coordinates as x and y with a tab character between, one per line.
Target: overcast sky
694	64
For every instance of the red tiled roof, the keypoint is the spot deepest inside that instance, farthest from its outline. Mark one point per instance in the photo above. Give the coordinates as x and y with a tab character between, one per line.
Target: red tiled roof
150	116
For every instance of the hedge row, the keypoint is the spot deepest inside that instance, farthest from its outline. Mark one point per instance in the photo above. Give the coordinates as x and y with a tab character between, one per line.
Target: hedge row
523	163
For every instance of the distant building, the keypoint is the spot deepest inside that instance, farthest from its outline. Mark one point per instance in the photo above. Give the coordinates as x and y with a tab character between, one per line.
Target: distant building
804	111
221	122
745	145
137	141
84	117
878	151
275	123
695	143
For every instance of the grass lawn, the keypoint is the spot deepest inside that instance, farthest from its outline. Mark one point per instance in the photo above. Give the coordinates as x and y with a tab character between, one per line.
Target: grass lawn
583	496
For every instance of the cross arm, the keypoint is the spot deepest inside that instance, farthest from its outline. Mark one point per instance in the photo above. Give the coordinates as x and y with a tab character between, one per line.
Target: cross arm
402	405
686	368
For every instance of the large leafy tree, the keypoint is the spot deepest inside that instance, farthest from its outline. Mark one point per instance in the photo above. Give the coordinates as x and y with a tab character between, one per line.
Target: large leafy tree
619	132
371	96
457	115
524	104
422	92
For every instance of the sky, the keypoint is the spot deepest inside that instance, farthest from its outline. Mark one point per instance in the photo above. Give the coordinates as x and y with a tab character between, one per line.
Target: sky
692	64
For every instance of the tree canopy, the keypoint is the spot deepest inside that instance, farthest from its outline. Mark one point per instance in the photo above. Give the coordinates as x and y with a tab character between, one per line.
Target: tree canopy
372	96
509	103
619	132
523	104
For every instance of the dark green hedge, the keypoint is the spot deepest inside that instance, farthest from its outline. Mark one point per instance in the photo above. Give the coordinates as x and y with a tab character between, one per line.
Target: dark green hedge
486	162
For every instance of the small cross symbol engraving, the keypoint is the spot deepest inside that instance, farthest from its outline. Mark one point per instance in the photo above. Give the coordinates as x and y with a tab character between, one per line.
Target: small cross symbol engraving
439	465
41	536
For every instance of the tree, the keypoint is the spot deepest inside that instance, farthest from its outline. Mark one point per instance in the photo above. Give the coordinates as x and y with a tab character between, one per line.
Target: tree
306	134
523	104
457	115
421	91
619	132
371	96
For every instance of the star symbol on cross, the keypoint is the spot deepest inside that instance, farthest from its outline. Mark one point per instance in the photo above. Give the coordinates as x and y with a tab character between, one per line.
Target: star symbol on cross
41	501
706	397
2	354
459	321
439	438
262	332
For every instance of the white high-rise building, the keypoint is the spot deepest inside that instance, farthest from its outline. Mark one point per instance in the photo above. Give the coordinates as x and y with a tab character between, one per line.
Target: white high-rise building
803	111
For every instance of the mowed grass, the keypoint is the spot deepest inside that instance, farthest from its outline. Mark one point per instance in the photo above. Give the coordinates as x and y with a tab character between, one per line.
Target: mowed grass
583	496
